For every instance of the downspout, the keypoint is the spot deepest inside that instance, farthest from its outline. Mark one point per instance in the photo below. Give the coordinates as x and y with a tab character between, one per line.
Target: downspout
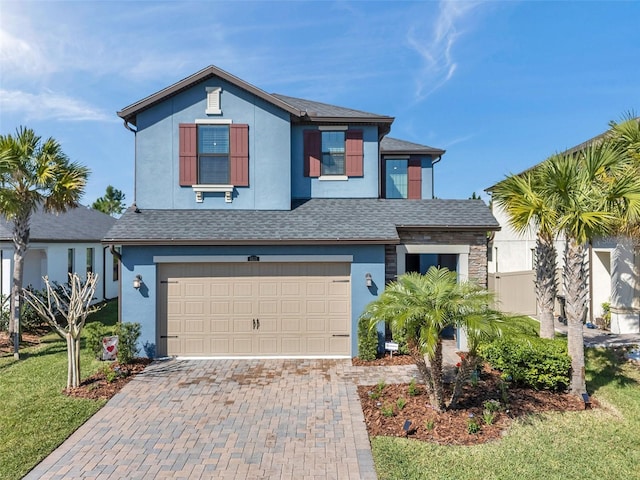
433	185
135	157
104	273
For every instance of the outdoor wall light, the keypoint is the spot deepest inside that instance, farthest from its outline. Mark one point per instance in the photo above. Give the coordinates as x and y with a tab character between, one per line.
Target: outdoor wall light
368	279
137	282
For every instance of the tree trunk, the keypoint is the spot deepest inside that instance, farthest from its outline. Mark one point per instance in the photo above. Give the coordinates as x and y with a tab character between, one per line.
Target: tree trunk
576	291
423	369
73	361
436	373
545	283
20	243
468	364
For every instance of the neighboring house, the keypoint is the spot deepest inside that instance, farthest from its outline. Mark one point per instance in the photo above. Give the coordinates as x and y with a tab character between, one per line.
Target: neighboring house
263	224
60	244
613	263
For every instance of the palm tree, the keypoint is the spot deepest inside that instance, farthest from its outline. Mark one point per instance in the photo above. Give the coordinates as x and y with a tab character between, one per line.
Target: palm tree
424	305
592	191
33	174
520	197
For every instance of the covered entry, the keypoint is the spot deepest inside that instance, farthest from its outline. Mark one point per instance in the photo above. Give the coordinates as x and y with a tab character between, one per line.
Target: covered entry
254	309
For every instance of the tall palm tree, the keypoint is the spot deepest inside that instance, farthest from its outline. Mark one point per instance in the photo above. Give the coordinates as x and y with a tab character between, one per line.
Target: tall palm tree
423	306
591	191
33	173
520	197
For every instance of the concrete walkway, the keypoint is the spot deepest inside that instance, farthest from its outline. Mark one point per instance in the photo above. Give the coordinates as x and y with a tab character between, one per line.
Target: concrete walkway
223	419
594	337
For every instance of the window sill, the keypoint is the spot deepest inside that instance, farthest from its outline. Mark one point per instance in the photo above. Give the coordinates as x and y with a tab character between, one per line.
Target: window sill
340	178
200	189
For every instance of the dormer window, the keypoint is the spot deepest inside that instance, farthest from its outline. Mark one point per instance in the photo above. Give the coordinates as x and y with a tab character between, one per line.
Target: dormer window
213	101
397	180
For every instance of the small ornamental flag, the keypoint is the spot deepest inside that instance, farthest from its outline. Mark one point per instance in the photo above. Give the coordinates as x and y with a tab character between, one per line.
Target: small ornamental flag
109	347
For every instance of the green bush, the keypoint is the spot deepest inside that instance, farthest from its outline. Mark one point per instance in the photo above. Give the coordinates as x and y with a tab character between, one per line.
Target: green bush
367	340
399	336
94	332
128	335
540	363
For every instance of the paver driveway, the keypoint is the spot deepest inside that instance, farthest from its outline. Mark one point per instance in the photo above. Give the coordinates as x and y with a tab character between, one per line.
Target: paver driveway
224	419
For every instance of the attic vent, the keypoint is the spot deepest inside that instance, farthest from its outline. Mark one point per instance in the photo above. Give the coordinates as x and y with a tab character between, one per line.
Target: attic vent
213	101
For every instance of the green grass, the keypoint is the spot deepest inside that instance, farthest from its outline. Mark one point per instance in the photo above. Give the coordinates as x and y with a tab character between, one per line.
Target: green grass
36	416
602	443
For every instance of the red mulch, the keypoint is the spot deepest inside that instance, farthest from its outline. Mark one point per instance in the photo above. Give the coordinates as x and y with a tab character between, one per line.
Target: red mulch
383	361
28	340
451	427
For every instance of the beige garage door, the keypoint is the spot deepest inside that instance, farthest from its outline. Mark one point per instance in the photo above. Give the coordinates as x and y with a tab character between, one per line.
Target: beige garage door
274	309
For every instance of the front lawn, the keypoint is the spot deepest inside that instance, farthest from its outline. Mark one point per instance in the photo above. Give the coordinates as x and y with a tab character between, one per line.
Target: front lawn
602	443
36	416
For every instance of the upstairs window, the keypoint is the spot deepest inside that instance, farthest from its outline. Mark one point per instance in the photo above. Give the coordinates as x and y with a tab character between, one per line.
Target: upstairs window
333	153
397	180
213	155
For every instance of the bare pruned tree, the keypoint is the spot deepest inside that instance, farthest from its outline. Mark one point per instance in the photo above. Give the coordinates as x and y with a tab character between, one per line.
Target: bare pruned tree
66	310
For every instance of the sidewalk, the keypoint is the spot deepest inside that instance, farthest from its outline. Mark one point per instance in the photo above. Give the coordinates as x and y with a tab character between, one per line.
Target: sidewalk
594	337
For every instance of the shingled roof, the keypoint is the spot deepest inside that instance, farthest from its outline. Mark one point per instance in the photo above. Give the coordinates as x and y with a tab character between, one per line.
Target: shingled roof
80	224
312	221
390	145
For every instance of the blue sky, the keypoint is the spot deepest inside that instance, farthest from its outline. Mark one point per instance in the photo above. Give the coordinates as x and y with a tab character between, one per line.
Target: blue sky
500	85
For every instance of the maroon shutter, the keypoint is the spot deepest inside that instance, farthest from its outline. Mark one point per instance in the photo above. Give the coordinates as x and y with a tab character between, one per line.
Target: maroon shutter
312	153
239	152
354	153
414	174
188	151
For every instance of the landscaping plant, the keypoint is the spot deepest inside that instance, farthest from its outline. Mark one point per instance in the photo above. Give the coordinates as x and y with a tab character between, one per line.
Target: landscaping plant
66	311
424	305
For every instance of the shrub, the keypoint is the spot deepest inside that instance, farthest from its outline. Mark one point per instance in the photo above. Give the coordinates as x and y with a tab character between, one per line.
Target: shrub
94	332
399	336
401	403
367	340
128	335
387	410
413	389
543	364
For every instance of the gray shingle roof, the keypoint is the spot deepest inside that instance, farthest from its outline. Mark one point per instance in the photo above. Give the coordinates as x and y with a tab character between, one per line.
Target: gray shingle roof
80	224
318	109
394	145
313	221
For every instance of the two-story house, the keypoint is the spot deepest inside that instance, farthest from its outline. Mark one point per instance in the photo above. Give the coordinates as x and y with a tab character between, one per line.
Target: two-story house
263	224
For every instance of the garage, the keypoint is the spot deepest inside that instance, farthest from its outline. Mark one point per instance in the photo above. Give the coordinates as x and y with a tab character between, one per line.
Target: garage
254	309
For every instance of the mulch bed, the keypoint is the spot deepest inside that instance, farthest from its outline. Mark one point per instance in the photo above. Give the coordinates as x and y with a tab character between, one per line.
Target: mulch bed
452	427
98	386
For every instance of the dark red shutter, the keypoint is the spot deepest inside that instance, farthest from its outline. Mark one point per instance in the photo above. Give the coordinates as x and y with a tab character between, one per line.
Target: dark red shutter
414	174
355	153
312	153
188	151
239	151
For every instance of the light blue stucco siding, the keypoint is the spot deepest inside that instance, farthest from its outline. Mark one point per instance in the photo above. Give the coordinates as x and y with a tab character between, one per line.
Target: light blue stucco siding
157	150
141	305
355	187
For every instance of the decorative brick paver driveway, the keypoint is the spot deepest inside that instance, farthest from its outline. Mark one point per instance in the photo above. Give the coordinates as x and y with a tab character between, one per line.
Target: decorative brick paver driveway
289	419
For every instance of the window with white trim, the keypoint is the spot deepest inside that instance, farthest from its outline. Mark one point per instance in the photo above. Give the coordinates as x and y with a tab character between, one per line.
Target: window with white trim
333	153
213	155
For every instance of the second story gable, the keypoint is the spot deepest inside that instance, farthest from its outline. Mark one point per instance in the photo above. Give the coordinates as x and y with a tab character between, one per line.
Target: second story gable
213	141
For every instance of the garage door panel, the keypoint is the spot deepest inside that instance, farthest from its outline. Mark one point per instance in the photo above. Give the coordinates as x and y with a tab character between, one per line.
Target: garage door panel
290	288
338	306
211	309
220	326
291	325
338	345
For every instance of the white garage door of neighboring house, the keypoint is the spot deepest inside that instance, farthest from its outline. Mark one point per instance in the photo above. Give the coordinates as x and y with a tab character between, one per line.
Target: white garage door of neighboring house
238	309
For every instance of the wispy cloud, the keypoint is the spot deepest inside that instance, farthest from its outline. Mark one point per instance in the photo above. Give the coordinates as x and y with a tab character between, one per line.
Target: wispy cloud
51	106
435	45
